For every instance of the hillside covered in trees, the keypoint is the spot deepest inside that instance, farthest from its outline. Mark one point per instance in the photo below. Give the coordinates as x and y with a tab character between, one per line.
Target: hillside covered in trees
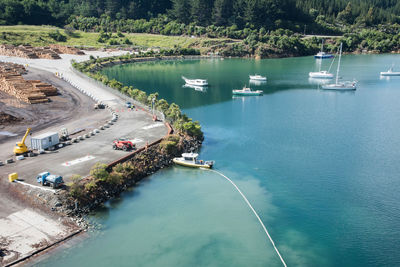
296	15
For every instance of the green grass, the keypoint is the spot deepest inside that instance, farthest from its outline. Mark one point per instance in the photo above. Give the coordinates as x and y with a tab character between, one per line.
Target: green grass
39	36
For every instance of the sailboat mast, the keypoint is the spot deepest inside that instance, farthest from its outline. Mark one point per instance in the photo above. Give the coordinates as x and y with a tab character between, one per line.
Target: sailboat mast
338	66
322	45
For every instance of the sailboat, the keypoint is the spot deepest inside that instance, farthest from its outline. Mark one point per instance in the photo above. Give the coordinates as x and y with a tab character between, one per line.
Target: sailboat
390	72
346	85
322	54
322	74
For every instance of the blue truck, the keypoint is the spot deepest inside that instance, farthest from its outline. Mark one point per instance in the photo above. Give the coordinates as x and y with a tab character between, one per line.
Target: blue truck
45	178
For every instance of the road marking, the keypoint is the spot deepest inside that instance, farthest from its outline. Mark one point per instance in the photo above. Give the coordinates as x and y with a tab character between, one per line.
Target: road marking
136	140
76	161
7	133
152	126
35	186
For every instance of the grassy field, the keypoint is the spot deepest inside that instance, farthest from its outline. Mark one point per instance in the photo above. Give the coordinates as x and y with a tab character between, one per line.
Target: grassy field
40	36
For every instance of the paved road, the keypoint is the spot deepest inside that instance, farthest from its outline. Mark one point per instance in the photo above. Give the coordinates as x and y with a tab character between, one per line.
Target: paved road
135	125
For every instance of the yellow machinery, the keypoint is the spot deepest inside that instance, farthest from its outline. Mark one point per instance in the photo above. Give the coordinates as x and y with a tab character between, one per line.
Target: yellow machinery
20	147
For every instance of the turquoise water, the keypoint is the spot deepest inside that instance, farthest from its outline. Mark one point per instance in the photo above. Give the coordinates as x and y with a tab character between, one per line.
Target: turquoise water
321	169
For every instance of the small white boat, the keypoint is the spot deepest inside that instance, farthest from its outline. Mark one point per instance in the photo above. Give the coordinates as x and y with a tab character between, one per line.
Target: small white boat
258	78
390	72
346	85
190	160
247	92
195	82
323	74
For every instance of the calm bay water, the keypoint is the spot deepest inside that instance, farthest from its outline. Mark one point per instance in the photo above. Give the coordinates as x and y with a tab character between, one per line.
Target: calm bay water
321	168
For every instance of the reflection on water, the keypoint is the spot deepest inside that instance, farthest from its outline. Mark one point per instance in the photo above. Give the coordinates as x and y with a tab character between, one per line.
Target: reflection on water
196	88
319	81
258	83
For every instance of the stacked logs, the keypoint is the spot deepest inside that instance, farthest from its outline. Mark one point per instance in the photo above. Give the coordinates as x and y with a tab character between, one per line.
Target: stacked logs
32	92
27	51
47	89
60	49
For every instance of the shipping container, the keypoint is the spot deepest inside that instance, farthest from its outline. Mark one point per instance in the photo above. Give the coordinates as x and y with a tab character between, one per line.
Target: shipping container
44	141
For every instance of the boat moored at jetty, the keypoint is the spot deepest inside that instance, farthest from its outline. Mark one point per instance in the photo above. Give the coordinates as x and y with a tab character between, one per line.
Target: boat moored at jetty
246	91
390	72
190	160
258	78
195	82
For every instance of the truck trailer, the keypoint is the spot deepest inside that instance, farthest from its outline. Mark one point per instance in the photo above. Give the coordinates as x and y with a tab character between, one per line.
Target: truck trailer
45	141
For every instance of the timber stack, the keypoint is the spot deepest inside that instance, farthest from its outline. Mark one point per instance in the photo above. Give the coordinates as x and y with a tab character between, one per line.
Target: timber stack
32	92
60	49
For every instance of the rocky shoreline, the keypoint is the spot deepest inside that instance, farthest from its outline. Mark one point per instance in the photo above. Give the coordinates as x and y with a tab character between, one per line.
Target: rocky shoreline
140	166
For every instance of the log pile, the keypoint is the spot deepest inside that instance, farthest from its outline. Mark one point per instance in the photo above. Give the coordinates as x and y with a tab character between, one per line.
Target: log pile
60	49
48	52
47	89
32	92
27	51
9	67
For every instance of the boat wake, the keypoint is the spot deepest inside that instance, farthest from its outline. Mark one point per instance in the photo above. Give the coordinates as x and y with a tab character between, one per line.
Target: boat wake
253	210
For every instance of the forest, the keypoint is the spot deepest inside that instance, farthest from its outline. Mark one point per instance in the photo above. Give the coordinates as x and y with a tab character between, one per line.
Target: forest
296	15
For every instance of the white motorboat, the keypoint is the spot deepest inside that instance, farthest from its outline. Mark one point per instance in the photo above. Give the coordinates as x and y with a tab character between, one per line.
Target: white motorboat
345	85
390	72
323	74
195	82
247	92
190	160
258	78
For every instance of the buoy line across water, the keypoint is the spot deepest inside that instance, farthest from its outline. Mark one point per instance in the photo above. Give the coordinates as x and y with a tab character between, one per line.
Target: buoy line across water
255	213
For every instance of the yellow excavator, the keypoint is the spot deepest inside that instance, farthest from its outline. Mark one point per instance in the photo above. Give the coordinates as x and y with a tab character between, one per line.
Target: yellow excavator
20	147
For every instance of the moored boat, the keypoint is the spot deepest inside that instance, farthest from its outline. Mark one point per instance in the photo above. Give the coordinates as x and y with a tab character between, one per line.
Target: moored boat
195	82
322	54
390	72
247	92
341	86
190	160
258	78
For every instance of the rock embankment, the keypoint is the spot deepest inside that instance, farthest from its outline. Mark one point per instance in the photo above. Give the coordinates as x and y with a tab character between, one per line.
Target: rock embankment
89	193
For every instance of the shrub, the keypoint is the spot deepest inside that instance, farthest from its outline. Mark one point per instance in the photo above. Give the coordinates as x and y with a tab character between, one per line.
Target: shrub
75	188
99	171
57	36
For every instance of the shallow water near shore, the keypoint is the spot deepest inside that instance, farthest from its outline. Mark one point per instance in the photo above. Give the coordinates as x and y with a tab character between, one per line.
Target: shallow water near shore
321	169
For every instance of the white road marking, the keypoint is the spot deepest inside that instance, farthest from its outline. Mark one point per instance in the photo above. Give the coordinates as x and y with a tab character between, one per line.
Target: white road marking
152	126
76	161
136	140
35	186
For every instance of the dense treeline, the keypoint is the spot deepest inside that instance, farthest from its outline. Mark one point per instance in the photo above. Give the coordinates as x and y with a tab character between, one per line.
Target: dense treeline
270	14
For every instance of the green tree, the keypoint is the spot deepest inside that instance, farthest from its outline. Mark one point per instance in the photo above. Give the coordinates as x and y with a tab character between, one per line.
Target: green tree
181	10
222	11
